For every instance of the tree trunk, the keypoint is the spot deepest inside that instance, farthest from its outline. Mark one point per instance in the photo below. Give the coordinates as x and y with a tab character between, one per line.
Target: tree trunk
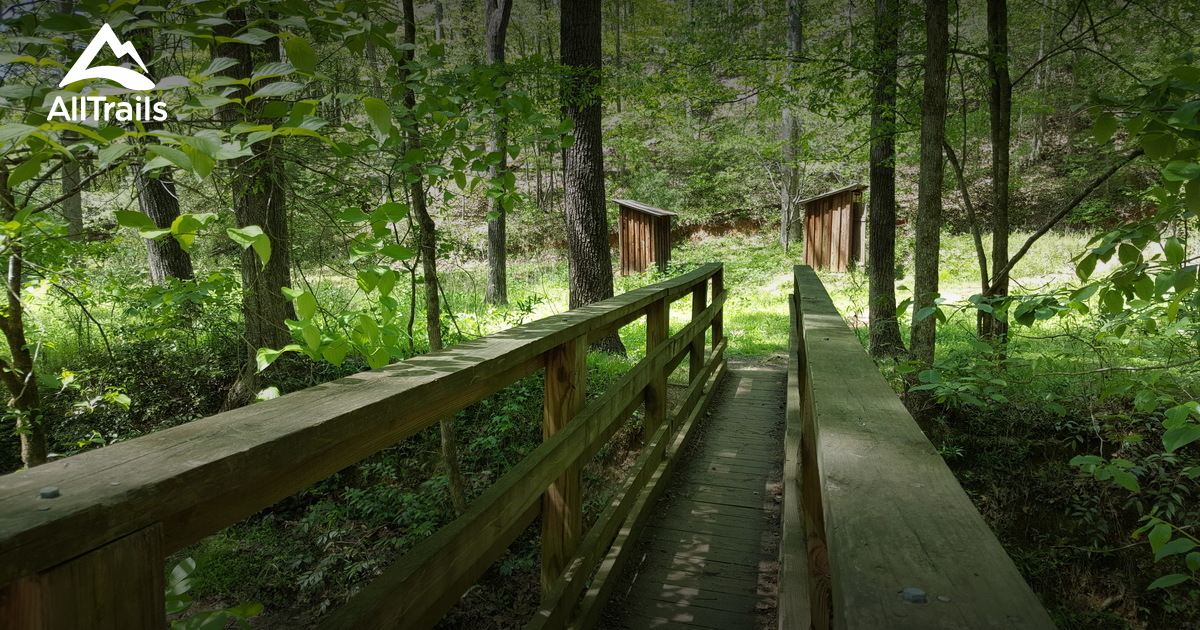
17	372
164	257
885	337
1000	104
929	197
427	240
588	255
72	206
789	190
498	12
259	199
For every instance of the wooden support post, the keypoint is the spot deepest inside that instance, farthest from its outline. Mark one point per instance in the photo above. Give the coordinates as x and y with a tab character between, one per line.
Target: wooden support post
696	356
657	330
117	586
562	505
718	323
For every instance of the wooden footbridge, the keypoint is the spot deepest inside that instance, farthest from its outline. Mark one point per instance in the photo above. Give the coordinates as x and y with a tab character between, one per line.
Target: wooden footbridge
804	496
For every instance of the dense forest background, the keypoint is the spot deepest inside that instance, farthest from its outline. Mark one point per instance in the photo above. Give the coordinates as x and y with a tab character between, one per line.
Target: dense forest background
342	185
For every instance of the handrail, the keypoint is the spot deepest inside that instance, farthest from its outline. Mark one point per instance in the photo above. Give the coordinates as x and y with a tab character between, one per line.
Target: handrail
870	509
142	499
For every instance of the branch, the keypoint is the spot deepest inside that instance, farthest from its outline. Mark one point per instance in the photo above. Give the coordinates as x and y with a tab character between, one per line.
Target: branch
1083	194
962	187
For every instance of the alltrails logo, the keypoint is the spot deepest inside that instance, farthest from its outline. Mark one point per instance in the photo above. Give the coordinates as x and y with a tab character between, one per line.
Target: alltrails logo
143	109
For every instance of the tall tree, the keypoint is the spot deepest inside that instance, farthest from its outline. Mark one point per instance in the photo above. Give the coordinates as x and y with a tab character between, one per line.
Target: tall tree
497	15
427	247
72	204
259	198
929	195
588	255
789	189
157	198
16	371
885	337
1000	106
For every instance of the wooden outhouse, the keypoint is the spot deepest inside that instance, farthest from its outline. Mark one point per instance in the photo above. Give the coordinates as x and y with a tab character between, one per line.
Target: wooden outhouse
644	234
835	229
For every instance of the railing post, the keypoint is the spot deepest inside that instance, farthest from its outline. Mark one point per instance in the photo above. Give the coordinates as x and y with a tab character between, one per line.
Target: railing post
657	330
562	505
696	355
119	585
718	322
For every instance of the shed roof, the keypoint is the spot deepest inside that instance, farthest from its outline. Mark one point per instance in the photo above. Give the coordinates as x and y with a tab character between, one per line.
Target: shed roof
648	209
850	188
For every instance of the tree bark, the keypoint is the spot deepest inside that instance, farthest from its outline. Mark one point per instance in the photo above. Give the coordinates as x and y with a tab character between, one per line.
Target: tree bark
498	12
885	339
259	198
72	206
929	197
427	245
589	259
789	190
164	256
18	371
1000	106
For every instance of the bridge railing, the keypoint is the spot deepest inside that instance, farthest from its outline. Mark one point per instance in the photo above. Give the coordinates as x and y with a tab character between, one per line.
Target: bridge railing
93	556
877	533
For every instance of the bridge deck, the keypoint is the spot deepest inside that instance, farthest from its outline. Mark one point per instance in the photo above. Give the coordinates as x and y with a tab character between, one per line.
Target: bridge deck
709	557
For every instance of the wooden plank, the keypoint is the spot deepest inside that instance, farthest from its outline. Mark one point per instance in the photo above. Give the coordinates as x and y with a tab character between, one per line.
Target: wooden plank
658	319
795	587
558	605
895	515
718	324
199	477
610	570
115	587
428	580
694	616
562	504
696	361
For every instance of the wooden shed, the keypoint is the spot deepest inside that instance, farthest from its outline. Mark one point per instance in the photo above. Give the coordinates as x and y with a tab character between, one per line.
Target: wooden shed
644	234
835	229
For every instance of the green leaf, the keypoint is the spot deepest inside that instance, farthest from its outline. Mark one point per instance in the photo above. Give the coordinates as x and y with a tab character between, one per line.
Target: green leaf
266	356
217	64
112	153
1158	146
306	306
1159	536
387	281
1113	301
171	154
1193	561
397	252
252	236
1173	250
923	313
134	219
1104	128
301	54
1180	171
1179	437
393	211
379	113
311	336
27	170
15	132
1175	547
1127	480
66	23
378	358
281	88
1167	581
335	352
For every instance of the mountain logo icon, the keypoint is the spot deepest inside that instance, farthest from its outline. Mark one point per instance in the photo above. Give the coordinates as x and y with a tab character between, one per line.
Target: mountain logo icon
128	78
